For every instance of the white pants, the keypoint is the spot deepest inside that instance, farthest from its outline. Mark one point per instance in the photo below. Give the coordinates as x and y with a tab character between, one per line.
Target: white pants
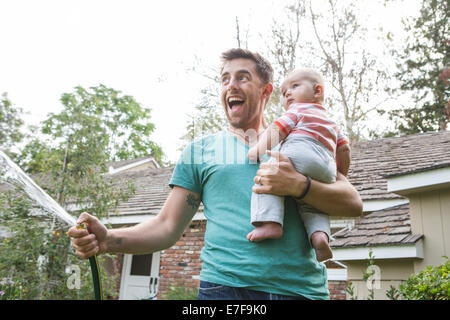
312	159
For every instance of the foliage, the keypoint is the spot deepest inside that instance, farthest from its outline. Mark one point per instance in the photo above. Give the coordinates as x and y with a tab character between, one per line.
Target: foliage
358	79
180	292
367	277
36	254
422	68
70	164
90	131
350	290
116	124
10	123
432	283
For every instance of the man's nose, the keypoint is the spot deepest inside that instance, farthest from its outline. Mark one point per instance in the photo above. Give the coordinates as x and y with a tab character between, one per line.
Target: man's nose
233	83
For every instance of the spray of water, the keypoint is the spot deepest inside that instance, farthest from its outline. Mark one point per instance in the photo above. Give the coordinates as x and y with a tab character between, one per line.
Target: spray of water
12	172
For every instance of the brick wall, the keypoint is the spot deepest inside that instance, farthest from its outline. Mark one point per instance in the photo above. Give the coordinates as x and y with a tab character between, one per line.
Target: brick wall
180	265
337	290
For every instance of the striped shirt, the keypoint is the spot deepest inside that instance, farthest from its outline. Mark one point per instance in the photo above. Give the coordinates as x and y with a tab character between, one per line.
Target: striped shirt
311	120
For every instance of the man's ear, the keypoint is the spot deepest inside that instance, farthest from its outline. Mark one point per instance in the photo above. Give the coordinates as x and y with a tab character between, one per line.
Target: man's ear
267	90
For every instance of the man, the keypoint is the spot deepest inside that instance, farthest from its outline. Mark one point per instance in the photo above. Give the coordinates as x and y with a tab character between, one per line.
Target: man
210	171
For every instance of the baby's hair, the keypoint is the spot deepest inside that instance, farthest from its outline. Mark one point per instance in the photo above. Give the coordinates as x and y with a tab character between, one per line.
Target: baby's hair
310	74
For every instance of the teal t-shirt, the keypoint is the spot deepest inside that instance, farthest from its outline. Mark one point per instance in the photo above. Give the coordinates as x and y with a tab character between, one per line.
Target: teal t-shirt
217	168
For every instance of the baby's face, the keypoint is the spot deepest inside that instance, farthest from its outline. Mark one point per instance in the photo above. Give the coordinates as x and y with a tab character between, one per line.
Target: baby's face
297	88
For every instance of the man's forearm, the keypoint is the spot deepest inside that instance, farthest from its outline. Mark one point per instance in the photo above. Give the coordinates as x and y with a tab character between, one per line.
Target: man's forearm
160	232
335	199
143	238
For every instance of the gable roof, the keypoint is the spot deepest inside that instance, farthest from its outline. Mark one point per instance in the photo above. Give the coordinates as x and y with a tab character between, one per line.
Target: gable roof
151	191
391	226
373	161
122	163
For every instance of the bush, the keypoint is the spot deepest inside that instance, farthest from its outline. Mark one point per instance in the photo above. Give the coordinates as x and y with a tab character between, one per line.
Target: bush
431	283
35	255
179	292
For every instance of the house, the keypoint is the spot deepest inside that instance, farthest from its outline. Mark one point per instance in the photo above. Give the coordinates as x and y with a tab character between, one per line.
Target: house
405	186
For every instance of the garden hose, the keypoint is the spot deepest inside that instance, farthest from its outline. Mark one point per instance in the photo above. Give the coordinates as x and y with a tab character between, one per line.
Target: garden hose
96	278
95	270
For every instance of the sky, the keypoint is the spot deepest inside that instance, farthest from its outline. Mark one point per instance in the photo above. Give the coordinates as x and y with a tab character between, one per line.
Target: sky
146	49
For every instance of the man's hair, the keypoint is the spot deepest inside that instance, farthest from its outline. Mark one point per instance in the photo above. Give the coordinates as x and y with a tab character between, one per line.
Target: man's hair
263	67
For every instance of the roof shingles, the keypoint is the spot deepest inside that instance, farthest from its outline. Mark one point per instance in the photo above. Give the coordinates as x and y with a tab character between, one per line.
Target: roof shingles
384	227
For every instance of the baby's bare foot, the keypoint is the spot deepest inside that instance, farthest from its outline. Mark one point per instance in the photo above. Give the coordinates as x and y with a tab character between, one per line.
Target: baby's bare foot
268	230
319	241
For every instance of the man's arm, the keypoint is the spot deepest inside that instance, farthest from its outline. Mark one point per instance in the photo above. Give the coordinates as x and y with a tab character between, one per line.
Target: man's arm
335	199
153	235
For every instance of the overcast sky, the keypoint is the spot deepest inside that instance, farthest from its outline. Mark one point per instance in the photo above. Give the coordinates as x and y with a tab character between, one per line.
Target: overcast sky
143	48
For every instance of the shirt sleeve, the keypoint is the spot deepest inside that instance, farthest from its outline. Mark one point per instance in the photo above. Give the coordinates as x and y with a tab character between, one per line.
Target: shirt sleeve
341	139
187	171
287	121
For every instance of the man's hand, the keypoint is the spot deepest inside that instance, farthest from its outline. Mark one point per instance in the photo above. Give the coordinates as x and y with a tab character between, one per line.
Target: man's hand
279	177
90	242
335	199
252	155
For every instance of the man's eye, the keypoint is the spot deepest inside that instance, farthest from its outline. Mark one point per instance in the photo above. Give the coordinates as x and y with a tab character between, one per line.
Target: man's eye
225	80
243	77
295	85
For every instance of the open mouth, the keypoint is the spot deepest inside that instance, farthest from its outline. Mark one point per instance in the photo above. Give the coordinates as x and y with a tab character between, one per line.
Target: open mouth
235	103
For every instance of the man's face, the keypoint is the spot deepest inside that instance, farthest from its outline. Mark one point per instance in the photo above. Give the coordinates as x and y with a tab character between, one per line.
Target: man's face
243	94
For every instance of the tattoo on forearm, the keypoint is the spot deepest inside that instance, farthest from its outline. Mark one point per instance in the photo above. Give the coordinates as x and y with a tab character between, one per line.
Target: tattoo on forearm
193	201
119	241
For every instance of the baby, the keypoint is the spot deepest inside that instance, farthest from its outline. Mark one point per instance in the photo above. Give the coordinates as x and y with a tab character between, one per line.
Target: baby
316	148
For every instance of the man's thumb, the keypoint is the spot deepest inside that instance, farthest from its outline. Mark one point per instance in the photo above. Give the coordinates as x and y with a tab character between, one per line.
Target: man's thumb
84	218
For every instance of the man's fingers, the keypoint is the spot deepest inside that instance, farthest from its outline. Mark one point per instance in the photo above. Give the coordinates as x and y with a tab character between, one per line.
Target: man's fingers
86	247
86	218
88	254
75	233
85	240
261	189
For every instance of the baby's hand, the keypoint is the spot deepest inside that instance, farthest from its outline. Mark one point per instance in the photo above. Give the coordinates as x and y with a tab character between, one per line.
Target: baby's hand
252	155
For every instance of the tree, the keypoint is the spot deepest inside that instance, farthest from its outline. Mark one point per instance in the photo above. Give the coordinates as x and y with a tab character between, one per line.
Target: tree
35	255
117	123
95	127
10	123
281	48
356	75
423	66
358	80
69	162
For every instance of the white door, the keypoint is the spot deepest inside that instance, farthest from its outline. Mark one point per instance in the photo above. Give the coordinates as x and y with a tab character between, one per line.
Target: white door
139	276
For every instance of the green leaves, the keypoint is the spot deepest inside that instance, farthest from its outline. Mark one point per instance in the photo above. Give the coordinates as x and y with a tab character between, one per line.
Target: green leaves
432	283
426	56
10	123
